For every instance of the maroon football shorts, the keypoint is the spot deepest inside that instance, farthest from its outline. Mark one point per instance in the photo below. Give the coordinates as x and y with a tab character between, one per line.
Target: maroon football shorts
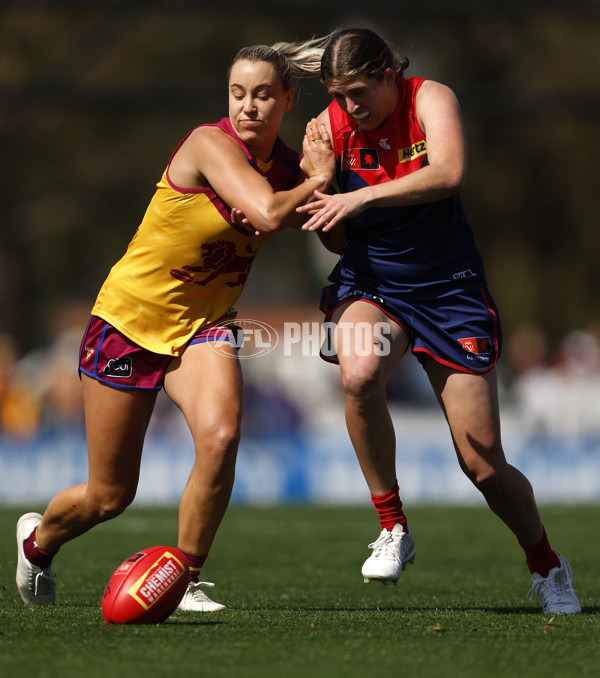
112	358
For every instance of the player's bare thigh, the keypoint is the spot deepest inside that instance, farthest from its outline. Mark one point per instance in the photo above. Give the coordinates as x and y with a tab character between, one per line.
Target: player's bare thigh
116	422
206	384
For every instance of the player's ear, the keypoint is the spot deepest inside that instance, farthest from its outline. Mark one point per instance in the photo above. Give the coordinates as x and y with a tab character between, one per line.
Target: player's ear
389	77
289	100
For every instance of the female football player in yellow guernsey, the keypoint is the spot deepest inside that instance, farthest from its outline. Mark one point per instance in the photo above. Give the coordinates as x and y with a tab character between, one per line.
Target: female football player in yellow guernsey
165	301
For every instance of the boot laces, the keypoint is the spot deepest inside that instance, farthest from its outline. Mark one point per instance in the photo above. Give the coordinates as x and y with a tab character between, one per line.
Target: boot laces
43	581
386	545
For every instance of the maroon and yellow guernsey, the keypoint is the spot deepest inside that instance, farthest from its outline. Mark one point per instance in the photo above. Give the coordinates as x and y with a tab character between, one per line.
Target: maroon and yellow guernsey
187	263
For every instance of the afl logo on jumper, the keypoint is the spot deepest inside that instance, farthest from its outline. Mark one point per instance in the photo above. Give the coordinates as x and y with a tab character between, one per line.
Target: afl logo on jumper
360	159
122	368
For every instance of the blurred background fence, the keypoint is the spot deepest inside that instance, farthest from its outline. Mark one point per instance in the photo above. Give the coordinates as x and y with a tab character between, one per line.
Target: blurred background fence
94	97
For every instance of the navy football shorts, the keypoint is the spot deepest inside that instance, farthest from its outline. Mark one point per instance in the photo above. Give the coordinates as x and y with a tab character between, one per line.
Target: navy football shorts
460	329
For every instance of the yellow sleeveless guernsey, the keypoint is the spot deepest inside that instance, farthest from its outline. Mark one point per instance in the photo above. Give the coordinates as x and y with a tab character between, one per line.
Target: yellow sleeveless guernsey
187	263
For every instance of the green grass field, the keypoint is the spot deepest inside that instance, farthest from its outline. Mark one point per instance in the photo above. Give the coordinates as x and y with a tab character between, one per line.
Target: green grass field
298	607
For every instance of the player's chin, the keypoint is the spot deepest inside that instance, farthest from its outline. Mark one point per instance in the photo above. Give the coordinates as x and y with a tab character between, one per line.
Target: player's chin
366	123
253	130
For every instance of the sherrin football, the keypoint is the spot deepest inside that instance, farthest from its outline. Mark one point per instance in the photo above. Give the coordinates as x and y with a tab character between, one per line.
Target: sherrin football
147	587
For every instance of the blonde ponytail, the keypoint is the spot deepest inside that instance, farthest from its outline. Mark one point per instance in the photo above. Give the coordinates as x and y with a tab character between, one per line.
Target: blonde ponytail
304	57
290	59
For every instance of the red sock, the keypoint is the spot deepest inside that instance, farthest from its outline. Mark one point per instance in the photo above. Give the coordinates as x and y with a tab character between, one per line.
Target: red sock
195	563
35	554
540	557
389	508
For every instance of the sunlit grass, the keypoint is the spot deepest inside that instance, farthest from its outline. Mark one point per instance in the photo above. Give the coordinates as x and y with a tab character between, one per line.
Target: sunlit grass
297	606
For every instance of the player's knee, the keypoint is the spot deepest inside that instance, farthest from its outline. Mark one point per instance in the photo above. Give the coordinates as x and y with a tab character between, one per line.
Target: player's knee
486	480
219	439
225	444
216	453
111	503
362	378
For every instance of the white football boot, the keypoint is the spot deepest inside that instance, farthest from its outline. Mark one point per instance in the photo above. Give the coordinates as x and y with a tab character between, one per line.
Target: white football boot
391	552
195	600
556	591
36	586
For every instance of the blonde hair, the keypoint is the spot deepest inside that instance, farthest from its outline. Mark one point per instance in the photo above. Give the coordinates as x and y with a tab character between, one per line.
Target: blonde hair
290	59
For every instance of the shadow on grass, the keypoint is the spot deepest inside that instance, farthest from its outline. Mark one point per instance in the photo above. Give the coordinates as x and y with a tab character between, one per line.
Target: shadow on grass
197	620
191	622
528	610
406	609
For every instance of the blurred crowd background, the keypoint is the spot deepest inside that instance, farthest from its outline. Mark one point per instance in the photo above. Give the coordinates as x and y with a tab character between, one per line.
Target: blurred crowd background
95	96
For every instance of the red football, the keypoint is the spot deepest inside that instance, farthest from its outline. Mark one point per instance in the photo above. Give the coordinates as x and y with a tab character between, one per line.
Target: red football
147	587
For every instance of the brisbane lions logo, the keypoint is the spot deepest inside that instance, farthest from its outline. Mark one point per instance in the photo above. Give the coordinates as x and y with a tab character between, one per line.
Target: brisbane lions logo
219	258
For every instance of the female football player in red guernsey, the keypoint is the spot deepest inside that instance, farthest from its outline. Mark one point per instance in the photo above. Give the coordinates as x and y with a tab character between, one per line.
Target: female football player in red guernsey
167	299
408	261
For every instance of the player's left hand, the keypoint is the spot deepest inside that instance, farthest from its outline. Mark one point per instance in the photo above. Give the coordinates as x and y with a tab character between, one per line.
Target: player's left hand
328	210
318	158
238	218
